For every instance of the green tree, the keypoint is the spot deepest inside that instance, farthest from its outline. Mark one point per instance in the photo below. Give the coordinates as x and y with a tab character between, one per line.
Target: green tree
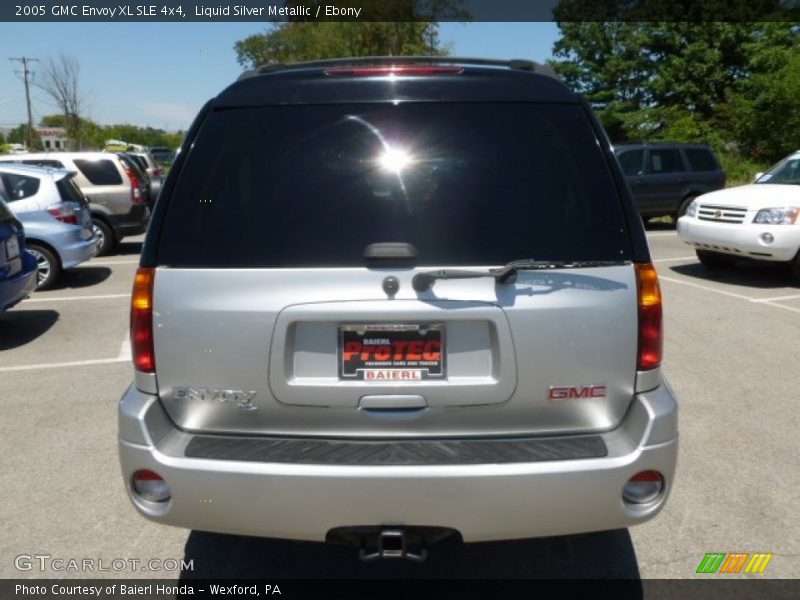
291	42
649	80
18	135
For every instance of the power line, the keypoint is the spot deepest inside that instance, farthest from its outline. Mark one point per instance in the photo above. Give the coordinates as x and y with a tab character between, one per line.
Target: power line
25	60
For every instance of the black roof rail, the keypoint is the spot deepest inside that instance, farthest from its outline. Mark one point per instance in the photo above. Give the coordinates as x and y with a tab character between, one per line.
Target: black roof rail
516	63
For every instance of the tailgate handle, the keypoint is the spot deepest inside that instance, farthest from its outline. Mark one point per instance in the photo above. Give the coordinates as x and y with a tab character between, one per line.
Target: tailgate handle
392	402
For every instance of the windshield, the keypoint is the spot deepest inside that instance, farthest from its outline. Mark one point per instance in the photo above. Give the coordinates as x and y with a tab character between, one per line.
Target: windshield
787	172
466	184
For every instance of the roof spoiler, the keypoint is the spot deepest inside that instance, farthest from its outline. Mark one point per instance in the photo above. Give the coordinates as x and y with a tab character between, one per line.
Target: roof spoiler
516	64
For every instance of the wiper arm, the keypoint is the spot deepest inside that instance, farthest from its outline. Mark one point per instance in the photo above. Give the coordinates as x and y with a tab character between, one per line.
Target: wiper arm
424	281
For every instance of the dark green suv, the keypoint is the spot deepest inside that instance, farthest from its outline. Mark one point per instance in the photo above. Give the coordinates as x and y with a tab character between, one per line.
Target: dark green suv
664	178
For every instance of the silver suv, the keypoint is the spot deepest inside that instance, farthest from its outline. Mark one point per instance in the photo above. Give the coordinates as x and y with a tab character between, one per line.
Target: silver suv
387	300
117	199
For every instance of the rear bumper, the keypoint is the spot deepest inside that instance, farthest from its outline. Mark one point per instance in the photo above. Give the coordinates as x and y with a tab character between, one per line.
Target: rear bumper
133	223
742	240
481	501
76	252
15	289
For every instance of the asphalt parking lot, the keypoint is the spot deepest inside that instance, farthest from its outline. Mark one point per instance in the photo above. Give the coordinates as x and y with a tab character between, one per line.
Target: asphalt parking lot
732	342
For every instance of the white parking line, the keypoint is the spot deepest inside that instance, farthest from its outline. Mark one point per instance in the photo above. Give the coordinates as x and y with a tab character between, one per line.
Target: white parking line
763	301
76	363
704	287
661	234
677	258
72	298
113	262
777	298
125	349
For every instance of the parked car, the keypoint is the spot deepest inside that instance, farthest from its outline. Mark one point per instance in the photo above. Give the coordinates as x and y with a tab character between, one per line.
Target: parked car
379	322
148	164
17	266
665	177
135	172
56	216
116	198
760	221
162	155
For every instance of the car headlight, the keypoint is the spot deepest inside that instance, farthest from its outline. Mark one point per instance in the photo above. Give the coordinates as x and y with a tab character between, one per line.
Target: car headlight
691	210
777	216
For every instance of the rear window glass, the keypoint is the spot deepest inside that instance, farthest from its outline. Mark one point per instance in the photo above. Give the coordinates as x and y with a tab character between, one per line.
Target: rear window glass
701	160
140	161
466	184
69	191
99	172
20	187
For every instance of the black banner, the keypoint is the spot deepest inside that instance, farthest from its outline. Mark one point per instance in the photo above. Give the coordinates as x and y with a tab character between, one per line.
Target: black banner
595	589
150	11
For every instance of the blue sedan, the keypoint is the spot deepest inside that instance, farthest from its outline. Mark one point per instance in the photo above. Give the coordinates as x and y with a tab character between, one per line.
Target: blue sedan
17	266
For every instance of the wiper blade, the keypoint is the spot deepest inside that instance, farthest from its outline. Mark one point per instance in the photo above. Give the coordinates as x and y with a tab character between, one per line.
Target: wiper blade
507	274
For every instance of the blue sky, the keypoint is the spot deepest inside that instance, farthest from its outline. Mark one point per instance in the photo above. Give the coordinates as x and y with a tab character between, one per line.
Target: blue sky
181	65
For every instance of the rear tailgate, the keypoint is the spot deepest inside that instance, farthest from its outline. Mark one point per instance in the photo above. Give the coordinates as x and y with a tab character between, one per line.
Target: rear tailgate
504	352
268	319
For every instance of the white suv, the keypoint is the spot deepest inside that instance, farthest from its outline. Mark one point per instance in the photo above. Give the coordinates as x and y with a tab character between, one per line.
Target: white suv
760	221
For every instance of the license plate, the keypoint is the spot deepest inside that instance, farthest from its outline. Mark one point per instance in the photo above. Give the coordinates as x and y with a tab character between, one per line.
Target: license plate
12	247
392	352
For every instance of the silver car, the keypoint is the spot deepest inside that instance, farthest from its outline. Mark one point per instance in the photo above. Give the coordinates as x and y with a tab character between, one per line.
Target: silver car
117	199
153	170
383	301
58	225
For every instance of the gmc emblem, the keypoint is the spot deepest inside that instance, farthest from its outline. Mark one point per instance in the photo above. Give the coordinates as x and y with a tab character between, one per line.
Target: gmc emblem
559	392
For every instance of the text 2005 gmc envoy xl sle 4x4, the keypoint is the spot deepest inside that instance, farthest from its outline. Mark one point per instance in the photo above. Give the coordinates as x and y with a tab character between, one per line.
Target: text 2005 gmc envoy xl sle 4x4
385	300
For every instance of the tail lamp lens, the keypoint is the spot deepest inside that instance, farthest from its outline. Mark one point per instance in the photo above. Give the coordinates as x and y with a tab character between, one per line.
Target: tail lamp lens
379	71
136	191
63	212
142	321
650	318
150	486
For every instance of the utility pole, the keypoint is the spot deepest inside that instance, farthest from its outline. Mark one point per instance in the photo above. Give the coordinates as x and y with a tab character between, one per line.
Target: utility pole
29	132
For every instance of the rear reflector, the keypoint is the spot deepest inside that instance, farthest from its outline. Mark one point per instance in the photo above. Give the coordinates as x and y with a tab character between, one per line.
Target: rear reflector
142	321
150	486
392	70
650	319
643	487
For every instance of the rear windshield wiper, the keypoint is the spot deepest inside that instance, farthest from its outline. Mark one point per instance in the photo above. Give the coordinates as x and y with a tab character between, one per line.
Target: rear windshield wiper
508	274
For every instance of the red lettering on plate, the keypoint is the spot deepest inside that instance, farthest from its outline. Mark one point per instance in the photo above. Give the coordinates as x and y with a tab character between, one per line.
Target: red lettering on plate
432	350
414	351
383	352
400	349
351	349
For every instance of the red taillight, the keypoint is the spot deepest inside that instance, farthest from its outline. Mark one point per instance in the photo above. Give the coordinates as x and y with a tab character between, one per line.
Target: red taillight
650	325
136	188
142	321
393	70
156	172
64	213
